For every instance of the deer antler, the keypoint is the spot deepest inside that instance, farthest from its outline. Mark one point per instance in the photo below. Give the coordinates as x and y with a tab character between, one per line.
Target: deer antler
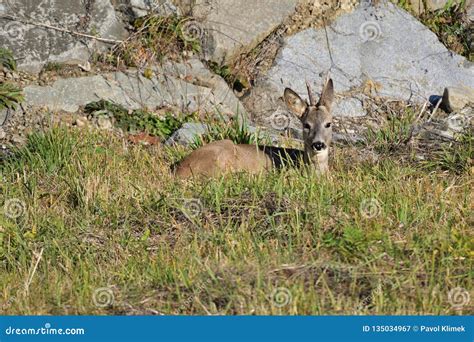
312	100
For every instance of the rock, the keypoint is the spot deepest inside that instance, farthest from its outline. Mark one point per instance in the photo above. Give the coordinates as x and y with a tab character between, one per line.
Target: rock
369	50
4	113
3	134
81	122
189	87
34	46
458	122
457	98
104	123
141	8
235	26
187	134
17	139
420	6
470	10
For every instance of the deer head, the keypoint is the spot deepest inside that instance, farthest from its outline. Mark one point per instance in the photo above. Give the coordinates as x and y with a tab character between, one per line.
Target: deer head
316	118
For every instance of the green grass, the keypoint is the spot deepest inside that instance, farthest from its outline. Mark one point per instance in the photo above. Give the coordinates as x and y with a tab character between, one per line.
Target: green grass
10	96
7	60
85	217
154	38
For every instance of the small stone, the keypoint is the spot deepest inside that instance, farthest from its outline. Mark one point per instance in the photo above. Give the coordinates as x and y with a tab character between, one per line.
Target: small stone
3	134
81	121
104	123
457	98
17	139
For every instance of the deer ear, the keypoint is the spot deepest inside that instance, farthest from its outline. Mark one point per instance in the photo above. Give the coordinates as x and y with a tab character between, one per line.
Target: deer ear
327	96
294	102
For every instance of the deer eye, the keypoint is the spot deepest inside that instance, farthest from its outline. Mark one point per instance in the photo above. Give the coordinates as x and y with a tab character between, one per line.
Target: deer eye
307	127
328	125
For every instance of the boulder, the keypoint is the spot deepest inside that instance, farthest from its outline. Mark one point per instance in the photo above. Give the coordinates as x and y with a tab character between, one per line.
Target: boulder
376	51
189	87
27	30
141	8
234	26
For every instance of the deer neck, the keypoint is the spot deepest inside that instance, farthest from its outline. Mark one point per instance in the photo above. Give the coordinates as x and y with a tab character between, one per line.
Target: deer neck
318	159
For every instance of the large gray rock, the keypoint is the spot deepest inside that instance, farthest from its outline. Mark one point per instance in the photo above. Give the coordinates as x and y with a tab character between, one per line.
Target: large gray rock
35	45
189	87
141	8
234	26
378	50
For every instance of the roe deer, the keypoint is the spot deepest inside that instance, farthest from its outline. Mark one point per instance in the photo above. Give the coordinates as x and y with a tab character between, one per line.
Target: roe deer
224	156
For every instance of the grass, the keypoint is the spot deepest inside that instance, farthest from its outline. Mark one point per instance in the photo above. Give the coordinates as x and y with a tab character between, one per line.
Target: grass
235	130
394	134
90	226
7	60
154	38
10	96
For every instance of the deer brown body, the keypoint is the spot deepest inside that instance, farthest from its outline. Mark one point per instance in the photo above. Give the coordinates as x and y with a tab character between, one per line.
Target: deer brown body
224	156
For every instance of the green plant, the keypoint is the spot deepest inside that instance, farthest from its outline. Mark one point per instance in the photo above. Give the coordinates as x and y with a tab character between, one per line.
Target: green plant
139	120
10	96
156	37
456	157
7	60
395	133
45	151
235	129
54	66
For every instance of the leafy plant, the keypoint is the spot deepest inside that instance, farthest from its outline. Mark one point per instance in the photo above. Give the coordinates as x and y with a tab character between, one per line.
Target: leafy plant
139	120
7	60
10	96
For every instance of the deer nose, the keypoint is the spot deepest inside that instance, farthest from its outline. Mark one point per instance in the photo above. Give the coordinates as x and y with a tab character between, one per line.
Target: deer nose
319	145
